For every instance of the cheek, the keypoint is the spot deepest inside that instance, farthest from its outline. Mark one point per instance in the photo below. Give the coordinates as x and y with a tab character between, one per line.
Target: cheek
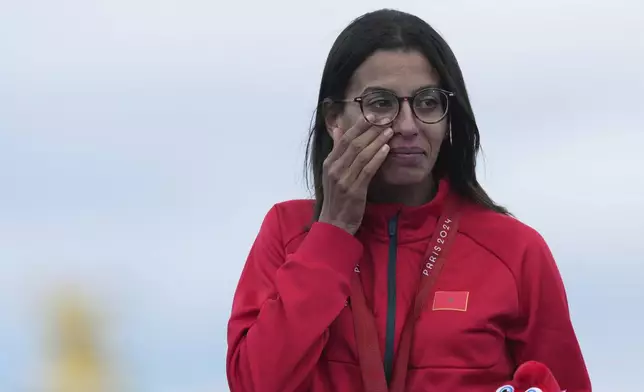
350	116
435	134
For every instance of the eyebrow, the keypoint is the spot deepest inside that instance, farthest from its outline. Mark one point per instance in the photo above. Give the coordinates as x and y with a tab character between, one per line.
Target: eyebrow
372	89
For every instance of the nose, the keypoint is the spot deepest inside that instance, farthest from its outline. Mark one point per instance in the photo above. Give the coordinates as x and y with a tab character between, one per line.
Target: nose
405	123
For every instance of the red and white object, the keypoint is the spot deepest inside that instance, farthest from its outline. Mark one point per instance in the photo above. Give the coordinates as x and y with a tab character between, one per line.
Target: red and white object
532	376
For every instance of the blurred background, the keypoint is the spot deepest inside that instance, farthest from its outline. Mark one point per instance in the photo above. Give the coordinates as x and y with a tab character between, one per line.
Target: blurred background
142	142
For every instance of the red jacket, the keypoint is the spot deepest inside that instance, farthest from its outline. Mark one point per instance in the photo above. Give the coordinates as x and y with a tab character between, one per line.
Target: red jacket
291	329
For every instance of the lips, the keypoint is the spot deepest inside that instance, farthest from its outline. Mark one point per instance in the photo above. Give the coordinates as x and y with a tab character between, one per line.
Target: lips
407	156
406	150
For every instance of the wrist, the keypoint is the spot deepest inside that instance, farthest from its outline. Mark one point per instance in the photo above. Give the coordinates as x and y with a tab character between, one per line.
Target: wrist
348	228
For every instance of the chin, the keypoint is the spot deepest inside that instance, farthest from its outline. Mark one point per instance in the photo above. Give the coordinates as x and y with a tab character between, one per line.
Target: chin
403	176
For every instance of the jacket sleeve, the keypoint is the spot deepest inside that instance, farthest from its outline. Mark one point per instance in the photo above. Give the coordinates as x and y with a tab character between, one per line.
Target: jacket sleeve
545	332
284	304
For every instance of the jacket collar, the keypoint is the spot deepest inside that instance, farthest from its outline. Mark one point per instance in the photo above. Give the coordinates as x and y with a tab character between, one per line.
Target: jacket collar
413	223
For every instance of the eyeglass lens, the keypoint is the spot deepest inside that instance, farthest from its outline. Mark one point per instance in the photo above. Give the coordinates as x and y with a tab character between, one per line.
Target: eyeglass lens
429	106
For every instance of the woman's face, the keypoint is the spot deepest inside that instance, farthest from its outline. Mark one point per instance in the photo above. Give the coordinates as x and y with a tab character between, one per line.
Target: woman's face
415	144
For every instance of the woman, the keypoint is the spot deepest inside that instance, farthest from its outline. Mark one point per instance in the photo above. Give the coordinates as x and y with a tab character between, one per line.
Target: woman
410	277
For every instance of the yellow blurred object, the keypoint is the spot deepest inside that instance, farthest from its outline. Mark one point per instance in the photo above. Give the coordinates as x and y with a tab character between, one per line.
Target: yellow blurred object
77	365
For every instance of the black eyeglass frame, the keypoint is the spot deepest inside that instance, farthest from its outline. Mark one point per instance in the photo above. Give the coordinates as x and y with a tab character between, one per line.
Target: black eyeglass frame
410	99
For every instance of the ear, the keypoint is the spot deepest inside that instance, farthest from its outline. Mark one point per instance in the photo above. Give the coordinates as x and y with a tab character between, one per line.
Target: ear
331	112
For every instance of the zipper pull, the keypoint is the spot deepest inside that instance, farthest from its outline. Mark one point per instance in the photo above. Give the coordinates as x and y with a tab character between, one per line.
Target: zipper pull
393	226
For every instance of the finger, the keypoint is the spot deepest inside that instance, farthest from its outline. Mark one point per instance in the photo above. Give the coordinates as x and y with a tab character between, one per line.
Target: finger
360	127
347	149
343	163
366	155
370	169
336	134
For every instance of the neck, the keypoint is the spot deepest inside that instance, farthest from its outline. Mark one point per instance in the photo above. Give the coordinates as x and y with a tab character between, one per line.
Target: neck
410	195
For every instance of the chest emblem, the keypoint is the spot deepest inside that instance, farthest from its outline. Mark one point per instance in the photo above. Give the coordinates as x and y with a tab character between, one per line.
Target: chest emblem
451	300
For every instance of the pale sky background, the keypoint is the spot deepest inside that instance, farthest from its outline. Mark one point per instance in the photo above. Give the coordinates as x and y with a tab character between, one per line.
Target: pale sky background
130	165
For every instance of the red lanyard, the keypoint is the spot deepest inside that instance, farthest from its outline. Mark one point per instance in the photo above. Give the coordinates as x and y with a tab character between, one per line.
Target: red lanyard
373	373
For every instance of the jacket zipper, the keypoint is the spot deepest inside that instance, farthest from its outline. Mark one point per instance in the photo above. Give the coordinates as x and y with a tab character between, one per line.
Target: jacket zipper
391	298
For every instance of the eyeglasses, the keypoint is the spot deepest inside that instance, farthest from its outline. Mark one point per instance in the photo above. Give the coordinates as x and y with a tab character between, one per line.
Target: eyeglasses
429	105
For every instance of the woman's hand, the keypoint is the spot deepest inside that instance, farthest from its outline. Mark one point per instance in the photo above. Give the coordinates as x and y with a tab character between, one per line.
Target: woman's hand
356	156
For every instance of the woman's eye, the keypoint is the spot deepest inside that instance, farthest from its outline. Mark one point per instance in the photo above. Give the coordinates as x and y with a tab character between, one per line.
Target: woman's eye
427	103
534	389
381	103
506	388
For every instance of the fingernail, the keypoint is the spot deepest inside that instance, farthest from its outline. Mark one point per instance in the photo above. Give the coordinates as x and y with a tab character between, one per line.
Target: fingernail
389	132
